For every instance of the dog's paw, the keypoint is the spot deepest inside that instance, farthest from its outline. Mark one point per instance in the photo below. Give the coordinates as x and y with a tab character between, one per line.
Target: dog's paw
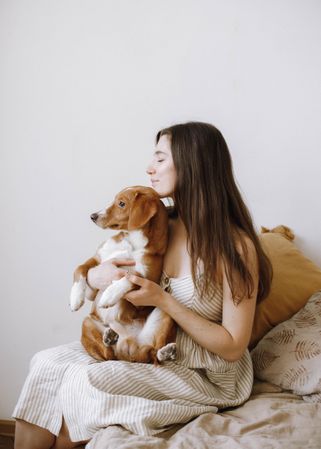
109	337
77	294
167	352
104	300
111	296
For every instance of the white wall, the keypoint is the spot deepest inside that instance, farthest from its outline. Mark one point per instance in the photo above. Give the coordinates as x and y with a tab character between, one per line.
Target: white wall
86	84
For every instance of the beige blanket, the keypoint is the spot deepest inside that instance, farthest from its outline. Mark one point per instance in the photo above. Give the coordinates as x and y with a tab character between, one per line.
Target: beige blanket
270	419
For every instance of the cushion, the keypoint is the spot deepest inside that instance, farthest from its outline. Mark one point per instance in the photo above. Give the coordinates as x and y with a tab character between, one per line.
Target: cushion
290	354
295	279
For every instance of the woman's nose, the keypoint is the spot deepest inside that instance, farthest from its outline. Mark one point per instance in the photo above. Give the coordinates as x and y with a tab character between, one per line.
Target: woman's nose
150	170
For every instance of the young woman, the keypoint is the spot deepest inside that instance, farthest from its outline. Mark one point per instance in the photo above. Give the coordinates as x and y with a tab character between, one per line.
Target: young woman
214	270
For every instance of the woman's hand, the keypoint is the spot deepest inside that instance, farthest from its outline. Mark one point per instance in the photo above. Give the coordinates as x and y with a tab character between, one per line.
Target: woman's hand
149	293
101	276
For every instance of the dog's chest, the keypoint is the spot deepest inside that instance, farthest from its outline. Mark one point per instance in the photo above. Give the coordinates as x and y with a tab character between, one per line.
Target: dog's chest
130	246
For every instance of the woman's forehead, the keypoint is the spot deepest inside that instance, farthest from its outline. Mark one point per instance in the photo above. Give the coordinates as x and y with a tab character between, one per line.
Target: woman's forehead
163	145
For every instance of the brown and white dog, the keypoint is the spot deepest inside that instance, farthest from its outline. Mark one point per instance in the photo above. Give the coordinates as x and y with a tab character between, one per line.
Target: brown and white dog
115	329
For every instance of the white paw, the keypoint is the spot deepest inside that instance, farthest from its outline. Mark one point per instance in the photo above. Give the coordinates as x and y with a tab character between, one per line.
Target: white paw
113	294
167	352
77	295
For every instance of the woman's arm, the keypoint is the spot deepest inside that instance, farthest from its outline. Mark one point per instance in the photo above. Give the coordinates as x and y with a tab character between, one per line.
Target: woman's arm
230	339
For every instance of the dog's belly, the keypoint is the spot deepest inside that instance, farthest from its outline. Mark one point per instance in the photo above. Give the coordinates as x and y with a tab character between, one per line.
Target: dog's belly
143	330
109	318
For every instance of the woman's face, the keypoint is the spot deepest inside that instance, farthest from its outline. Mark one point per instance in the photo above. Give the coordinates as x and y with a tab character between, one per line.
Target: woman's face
161	169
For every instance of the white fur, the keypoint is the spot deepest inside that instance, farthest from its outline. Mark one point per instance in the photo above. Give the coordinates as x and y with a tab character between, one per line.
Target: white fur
110	317
101	212
115	291
132	247
112	249
153	321
79	292
77	295
137	239
143	332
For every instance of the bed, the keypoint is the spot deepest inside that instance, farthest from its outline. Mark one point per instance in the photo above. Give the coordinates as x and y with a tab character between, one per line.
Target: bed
284	409
270	419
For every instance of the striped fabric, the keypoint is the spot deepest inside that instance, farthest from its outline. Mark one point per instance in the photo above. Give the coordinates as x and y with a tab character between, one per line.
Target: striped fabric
66	381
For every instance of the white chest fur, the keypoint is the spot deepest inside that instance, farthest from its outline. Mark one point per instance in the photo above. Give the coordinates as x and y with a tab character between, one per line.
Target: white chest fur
132	246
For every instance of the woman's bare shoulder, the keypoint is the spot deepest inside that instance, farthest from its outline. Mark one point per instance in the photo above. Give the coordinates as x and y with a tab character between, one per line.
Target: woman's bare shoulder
245	246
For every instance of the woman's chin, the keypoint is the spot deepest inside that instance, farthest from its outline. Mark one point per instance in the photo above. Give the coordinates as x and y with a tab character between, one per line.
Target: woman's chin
162	193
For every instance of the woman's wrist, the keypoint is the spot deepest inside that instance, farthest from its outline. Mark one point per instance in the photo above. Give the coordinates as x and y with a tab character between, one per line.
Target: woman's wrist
165	303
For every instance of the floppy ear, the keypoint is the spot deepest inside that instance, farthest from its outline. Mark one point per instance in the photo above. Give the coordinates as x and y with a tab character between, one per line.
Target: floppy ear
143	209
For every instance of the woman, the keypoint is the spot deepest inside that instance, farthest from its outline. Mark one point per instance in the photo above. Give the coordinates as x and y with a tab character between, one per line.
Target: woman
214	271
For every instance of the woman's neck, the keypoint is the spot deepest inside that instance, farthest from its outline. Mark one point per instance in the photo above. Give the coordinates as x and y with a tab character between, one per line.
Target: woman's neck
177	259
178	229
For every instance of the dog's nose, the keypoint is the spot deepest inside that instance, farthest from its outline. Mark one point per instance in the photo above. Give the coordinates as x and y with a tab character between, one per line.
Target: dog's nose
94	216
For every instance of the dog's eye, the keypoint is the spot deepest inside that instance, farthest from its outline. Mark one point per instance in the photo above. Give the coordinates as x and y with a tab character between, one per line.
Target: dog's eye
121	204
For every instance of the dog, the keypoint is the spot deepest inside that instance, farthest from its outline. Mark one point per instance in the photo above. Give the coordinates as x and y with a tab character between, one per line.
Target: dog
115	329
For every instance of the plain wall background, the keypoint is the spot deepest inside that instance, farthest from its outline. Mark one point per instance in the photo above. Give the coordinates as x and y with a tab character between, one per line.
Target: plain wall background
85	86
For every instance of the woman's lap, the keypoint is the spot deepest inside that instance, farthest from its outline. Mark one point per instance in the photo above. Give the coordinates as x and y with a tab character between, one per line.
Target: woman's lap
66	382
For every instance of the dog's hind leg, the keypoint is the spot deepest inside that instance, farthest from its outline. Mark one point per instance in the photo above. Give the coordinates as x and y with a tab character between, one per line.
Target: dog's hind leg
92	340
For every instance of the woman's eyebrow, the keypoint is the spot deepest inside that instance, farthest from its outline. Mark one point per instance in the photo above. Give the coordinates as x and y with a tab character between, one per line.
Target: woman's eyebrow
158	152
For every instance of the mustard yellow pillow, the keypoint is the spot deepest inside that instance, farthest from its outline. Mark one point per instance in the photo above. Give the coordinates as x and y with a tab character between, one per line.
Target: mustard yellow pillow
295	279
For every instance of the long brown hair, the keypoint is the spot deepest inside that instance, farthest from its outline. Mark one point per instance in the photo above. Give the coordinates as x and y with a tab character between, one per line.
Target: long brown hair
211	207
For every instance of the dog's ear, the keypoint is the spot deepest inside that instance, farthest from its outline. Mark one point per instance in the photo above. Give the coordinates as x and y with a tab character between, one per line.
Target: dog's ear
143	209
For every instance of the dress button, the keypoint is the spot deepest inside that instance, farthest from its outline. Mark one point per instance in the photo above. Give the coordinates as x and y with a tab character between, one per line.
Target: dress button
167	284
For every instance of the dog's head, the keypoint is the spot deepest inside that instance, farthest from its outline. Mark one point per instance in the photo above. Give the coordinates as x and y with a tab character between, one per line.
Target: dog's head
132	209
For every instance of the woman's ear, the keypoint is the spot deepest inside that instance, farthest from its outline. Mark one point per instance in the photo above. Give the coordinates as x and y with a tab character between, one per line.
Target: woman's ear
143	209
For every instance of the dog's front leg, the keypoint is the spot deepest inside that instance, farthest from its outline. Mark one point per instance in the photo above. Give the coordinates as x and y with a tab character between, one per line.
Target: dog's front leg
115	291
80	288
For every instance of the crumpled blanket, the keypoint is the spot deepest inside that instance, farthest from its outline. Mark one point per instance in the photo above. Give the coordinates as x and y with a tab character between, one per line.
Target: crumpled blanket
270	419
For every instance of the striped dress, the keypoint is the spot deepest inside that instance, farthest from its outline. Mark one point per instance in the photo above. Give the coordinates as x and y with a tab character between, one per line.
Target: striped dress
66	382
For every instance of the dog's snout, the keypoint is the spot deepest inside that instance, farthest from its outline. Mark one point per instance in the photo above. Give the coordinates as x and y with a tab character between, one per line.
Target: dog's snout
94	216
